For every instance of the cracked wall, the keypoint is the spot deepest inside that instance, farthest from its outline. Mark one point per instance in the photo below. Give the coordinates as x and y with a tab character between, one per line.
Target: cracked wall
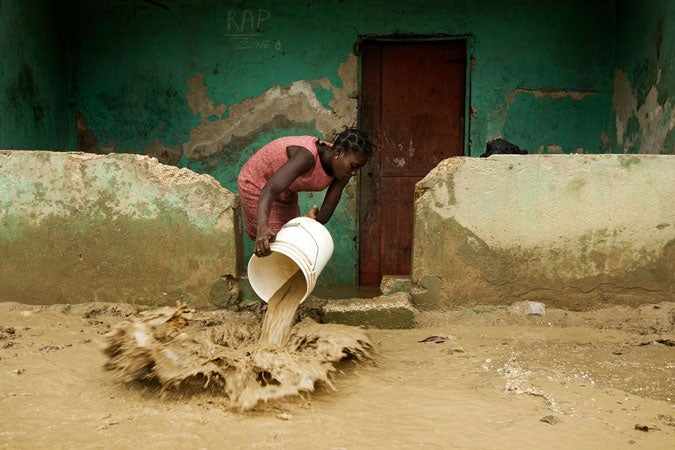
644	82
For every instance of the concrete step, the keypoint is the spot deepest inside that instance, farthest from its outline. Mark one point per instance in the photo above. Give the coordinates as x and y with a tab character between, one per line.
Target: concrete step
386	311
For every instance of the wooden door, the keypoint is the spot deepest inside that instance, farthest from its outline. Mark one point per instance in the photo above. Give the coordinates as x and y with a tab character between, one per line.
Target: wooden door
412	104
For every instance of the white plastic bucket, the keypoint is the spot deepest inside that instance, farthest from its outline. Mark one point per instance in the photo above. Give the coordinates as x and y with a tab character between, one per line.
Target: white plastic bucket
302	243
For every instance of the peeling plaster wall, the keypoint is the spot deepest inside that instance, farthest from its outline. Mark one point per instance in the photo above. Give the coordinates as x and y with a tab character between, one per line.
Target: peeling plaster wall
206	84
78	227
575	231
644	78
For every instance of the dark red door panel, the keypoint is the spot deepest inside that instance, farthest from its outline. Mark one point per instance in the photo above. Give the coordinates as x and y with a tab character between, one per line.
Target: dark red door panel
412	103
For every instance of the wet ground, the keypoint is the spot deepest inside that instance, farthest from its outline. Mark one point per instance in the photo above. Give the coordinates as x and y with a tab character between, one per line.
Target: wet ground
482	378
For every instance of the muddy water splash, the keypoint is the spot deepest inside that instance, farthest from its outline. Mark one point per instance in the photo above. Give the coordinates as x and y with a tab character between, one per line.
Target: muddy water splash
249	363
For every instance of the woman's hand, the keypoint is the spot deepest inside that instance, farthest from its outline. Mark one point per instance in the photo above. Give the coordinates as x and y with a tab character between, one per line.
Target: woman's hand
263	240
313	212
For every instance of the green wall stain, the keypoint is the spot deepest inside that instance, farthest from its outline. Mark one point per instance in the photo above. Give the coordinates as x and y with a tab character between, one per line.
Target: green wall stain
627	161
24	95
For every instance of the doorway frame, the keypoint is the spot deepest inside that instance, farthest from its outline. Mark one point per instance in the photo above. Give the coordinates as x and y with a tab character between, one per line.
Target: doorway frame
410	38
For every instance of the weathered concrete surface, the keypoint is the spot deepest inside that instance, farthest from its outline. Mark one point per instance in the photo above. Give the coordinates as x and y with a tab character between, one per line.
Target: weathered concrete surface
575	231
393	283
386	312
77	227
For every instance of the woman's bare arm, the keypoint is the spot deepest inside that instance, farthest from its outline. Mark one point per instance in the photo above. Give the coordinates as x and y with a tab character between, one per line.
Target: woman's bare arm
331	200
300	161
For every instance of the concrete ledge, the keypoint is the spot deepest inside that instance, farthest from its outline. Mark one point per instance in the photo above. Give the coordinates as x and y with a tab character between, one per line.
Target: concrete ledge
386	312
77	227
572	231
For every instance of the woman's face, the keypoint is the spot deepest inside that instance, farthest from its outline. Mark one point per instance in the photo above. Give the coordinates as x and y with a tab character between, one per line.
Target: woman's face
348	164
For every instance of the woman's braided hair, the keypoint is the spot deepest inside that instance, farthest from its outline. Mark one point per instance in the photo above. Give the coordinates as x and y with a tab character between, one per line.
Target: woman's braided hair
355	141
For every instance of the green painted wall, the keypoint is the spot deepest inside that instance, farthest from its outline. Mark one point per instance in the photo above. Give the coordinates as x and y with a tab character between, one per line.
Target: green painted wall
206	83
542	76
542	69
33	108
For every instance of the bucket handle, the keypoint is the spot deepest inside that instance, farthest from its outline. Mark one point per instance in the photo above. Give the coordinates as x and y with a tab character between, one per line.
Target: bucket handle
316	244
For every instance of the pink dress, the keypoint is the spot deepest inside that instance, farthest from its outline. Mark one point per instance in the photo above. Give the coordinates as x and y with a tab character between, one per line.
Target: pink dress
262	165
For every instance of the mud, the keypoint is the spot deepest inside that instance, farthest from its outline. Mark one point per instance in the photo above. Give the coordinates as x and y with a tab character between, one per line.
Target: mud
475	378
245	362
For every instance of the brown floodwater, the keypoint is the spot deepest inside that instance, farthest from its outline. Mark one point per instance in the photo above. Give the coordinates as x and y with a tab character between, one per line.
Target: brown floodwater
477	378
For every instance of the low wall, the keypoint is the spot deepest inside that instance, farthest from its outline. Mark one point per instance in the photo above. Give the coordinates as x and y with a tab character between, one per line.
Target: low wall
78	227
572	231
